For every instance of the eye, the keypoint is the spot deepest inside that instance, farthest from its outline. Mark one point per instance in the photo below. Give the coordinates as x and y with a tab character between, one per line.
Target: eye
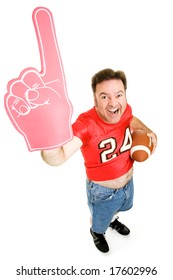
104	97
119	95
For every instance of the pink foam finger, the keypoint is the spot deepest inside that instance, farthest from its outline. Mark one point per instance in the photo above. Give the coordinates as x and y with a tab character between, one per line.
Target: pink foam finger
16	107
37	102
51	64
17	88
31	78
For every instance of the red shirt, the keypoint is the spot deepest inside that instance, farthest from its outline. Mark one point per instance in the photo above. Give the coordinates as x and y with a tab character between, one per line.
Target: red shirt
105	146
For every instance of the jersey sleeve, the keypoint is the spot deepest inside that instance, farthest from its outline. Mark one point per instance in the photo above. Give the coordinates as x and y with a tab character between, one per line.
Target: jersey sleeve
80	130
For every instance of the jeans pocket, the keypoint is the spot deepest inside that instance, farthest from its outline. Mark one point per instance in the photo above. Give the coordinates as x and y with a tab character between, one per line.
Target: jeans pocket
102	194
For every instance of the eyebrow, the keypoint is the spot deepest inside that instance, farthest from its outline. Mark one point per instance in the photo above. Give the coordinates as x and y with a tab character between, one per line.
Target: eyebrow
105	93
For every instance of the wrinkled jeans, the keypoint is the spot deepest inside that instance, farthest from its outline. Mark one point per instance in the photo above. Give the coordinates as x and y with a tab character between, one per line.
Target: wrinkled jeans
104	203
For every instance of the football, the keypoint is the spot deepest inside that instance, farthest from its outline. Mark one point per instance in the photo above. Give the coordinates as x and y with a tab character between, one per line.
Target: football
142	146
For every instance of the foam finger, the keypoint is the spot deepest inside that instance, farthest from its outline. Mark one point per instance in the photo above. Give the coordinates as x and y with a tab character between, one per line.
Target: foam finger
52	68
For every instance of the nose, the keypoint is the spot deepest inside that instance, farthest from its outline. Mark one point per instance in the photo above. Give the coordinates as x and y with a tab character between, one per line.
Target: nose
113	101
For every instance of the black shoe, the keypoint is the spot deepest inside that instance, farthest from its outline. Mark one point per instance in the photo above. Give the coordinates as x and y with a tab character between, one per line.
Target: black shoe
100	241
119	227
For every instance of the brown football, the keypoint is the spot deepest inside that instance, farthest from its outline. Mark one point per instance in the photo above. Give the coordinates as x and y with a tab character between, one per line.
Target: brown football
142	146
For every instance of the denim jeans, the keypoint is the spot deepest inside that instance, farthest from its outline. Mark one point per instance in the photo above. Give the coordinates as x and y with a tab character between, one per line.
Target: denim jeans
104	203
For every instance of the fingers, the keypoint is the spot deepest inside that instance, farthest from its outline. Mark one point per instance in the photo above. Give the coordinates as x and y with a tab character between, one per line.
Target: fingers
51	65
16	106
153	137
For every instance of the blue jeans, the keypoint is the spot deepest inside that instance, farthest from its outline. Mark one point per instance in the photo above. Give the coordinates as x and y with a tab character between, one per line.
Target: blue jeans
104	203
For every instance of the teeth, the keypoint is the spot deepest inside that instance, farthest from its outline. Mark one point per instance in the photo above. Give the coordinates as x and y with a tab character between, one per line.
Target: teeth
113	111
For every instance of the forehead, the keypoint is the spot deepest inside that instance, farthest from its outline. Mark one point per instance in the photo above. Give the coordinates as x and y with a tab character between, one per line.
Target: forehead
110	86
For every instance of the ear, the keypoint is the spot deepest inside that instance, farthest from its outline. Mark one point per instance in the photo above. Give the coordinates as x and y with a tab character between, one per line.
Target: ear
95	101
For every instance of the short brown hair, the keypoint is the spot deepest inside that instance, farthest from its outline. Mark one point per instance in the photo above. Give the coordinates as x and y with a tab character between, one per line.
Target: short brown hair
108	74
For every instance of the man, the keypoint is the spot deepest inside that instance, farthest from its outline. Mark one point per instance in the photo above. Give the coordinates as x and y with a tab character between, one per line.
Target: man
104	136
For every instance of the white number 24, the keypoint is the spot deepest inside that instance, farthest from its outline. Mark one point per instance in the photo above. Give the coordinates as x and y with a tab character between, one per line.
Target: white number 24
109	145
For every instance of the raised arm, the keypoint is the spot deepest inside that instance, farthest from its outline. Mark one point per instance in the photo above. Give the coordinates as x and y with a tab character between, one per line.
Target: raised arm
58	156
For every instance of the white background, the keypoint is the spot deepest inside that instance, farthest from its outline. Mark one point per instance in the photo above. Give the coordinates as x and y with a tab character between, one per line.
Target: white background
44	216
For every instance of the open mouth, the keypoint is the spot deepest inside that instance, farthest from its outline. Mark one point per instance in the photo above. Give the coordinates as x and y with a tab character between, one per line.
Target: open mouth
113	112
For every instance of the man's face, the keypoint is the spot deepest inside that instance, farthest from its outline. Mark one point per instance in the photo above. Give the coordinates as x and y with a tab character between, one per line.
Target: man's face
110	100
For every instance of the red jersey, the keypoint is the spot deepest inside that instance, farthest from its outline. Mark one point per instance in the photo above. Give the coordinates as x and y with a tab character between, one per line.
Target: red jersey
105	146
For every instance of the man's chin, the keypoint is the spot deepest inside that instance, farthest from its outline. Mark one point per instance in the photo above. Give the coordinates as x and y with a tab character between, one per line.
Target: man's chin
113	118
